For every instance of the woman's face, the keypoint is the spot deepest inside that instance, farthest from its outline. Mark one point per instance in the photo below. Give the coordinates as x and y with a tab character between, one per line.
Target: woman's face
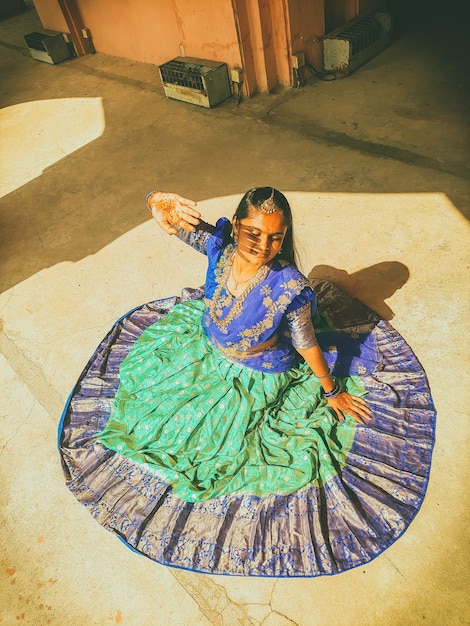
260	236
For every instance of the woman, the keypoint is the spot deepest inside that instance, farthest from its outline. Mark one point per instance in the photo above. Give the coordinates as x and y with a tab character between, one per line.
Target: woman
215	437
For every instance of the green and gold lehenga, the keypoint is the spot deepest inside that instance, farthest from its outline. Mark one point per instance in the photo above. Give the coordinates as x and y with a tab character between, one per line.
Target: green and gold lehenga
201	452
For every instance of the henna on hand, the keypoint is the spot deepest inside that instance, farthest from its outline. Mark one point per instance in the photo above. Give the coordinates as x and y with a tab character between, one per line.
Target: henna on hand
166	205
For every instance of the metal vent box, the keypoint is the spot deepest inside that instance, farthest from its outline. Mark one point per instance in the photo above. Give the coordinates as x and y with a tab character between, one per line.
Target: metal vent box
50	48
198	81
357	41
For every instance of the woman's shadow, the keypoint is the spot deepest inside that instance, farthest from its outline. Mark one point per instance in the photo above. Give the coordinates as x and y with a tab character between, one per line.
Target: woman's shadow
371	285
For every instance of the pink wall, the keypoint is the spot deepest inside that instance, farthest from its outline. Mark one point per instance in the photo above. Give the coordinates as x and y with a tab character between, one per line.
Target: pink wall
259	35
50	15
307	25
338	12
152	31
155	32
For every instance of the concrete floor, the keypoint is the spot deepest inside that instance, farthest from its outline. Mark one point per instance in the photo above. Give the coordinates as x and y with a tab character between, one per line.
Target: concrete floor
376	168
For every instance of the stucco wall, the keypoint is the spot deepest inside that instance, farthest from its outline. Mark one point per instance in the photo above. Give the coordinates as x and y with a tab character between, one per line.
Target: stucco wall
338	12
154	32
307	25
50	15
258	35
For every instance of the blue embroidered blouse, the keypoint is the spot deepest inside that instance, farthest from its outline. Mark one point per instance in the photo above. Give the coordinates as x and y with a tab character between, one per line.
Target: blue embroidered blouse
263	327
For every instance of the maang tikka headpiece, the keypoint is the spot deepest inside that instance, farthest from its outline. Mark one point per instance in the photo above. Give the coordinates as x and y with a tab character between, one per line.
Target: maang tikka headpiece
268	206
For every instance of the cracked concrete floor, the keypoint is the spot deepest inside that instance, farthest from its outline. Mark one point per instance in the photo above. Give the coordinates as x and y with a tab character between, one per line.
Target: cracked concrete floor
374	183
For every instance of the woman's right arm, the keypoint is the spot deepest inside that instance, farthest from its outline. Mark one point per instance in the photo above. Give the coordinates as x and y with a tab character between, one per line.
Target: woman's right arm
171	211
178	216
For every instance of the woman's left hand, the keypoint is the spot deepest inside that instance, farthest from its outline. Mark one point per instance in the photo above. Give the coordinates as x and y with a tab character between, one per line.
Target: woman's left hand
354	406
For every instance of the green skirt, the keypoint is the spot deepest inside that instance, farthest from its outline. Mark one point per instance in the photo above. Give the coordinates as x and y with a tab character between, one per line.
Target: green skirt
208	426
201	463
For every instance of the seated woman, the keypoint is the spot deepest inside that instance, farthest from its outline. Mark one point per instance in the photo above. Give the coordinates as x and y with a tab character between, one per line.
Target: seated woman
218	433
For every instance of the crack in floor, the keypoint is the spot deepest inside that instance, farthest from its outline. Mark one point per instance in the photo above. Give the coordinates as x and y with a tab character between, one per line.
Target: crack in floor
18	428
207	594
271	620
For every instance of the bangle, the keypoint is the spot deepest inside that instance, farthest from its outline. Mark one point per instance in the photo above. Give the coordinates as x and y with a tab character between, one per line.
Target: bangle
324	375
333	393
148	198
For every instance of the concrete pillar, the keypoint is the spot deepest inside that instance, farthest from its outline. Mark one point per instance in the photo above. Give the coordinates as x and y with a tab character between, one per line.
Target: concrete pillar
264	43
307	27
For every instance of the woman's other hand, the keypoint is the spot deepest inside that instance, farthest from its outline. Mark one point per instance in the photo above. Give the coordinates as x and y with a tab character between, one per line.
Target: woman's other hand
354	406
172	211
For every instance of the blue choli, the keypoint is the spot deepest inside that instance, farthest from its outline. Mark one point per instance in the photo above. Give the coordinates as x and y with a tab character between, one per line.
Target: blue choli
258	335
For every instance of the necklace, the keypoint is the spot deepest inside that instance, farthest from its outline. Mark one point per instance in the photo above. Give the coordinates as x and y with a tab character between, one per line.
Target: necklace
237	283
215	308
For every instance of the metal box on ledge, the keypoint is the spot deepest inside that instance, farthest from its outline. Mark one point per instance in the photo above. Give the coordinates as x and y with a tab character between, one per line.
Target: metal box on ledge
198	81
50	48
357	41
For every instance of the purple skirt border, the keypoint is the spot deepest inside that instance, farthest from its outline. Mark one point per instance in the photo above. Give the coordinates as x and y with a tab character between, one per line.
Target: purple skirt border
324	529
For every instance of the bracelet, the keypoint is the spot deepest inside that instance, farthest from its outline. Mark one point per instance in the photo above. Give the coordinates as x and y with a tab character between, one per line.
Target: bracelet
333	393
324	375
148	198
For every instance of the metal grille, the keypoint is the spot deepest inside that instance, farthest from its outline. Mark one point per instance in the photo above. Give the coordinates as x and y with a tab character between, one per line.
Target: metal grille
349	46
199	81
362	34
184	74
36	40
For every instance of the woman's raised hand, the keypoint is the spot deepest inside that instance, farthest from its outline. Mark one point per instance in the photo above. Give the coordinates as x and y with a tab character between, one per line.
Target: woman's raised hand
345	403
172	211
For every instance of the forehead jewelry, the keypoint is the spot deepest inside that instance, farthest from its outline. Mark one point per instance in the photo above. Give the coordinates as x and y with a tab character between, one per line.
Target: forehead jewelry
268	205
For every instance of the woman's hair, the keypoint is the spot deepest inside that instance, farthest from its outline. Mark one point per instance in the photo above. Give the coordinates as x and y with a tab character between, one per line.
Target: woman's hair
251	203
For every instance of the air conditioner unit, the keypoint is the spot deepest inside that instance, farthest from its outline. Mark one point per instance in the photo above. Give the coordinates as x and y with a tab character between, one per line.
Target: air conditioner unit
198	81
357	41
47	47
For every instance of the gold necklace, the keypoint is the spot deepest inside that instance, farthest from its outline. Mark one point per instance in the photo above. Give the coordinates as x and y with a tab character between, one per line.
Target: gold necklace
237	283
215	310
